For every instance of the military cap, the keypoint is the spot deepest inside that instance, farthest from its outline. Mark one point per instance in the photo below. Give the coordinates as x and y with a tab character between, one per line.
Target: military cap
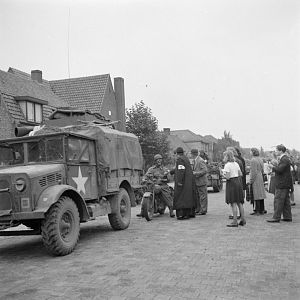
194	151
157	156
179	150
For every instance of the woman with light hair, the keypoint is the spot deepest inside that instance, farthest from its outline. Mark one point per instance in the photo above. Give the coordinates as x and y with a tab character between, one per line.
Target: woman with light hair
234	189
256	179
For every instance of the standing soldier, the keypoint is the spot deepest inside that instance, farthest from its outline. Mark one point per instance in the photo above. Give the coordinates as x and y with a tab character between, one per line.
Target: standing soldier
200	173
157	173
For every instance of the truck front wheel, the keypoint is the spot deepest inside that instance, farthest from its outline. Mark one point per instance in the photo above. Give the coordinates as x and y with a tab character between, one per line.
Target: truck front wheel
121	210
60	229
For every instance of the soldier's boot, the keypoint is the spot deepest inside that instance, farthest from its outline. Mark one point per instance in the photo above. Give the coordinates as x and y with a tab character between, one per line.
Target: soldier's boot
172	215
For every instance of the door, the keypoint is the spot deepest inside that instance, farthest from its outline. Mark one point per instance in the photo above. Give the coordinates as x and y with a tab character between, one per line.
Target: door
82	167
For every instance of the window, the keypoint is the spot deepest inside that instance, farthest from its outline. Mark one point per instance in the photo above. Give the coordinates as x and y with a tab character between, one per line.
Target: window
46	150
12	154
78	150
33	112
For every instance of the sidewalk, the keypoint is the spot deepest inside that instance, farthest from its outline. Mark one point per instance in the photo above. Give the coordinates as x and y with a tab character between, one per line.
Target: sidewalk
199	258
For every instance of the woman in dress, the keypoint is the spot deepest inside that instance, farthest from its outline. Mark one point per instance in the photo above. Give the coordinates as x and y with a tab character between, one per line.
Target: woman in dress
256	179
234	188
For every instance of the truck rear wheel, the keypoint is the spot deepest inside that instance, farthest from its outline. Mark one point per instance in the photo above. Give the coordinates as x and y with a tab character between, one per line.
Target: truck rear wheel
120	217
60	229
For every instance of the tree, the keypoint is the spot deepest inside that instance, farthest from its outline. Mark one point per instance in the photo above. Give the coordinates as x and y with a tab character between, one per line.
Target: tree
225	141
141	122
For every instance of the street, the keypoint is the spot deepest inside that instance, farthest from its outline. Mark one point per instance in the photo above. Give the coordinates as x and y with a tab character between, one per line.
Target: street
199	258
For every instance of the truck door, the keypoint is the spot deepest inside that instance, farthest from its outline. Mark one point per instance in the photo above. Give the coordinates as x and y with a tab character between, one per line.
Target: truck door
82	167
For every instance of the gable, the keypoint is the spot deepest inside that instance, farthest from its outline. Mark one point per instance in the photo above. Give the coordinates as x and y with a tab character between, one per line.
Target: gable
86	93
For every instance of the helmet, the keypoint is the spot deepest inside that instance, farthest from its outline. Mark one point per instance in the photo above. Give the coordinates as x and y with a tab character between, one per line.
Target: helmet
157	156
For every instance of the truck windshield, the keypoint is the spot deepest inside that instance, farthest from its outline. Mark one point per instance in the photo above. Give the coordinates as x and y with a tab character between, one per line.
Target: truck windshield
46	150
11	154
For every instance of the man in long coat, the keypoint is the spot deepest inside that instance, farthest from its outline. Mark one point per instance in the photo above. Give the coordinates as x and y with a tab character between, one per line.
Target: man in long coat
184	201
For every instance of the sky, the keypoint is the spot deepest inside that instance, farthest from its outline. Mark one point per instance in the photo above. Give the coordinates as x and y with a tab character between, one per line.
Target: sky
202	65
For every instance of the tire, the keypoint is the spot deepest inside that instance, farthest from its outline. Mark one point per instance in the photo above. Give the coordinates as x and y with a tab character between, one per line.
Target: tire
161	211
161	207
35	225
147	208
218	186
61	227
120	218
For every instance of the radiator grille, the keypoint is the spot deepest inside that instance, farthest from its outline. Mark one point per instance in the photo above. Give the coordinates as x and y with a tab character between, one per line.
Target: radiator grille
50	179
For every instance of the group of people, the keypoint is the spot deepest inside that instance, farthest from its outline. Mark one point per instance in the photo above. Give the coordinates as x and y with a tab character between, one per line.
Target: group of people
190	184
235	174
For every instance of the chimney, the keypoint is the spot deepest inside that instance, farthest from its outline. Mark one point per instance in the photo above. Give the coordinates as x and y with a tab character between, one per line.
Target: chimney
167	131
120	100
37	76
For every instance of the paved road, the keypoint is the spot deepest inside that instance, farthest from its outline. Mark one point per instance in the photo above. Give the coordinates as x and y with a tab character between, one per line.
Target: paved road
199	258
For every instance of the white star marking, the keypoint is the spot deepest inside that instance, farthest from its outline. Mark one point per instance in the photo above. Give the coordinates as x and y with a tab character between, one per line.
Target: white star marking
80	181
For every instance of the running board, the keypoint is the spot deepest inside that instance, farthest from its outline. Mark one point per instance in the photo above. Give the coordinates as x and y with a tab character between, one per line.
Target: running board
19	232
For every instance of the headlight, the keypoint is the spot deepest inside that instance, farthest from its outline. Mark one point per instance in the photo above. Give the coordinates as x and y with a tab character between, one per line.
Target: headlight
20	185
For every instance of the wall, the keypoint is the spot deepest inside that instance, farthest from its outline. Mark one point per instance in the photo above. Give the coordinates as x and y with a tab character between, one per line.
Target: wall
7	126
109	103
120	102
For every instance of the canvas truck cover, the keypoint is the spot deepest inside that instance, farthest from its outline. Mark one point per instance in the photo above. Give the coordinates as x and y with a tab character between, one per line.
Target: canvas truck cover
115	149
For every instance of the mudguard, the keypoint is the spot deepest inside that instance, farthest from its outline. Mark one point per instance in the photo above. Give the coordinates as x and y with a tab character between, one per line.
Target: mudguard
53	193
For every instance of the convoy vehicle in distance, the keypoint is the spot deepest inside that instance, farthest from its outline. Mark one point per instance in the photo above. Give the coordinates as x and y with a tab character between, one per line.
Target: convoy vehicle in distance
59	177
214	176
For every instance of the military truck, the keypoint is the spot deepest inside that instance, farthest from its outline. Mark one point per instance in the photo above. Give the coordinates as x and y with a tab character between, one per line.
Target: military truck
214	176
59	177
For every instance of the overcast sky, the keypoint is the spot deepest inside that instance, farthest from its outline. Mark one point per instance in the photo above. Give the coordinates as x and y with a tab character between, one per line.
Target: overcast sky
203	65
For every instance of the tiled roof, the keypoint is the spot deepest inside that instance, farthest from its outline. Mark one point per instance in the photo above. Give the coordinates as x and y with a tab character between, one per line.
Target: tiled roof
85	93
18	85
175	142
210	139
196	145
13	108
187	135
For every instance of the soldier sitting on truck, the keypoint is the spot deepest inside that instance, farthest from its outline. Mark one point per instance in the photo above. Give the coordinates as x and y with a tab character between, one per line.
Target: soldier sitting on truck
157	173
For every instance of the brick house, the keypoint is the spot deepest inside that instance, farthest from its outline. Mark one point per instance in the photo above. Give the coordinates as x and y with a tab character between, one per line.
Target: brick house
188	141
28	99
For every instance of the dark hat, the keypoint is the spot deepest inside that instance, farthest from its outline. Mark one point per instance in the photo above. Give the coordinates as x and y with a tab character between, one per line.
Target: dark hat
179	150
194	151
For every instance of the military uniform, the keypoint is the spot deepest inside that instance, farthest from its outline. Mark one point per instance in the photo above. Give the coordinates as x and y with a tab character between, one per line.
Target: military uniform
157	174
